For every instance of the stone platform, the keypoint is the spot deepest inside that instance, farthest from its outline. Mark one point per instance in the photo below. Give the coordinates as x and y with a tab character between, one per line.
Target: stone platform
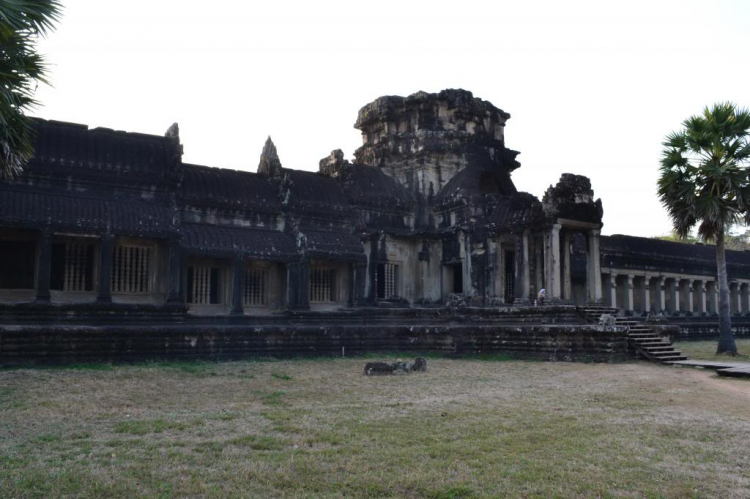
42	335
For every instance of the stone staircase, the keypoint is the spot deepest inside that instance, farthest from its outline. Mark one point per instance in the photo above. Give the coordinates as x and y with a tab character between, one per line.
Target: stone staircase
642	338
648	343
593	312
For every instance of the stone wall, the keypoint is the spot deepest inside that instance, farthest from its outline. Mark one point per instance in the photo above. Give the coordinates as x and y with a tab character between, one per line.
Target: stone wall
69	343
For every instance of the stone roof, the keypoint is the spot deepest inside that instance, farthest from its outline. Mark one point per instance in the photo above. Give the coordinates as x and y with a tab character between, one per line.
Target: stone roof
333	245
24	206
649	254
232	189
311	193
368	186
474	182
102	154
229	241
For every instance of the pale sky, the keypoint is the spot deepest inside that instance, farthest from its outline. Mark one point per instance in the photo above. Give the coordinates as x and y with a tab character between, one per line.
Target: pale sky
592	86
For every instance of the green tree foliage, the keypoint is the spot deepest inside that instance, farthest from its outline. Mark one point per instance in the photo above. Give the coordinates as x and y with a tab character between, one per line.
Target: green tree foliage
674	237
705	182
22	22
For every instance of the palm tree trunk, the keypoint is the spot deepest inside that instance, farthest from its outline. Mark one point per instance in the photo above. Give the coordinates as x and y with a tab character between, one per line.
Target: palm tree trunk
726	338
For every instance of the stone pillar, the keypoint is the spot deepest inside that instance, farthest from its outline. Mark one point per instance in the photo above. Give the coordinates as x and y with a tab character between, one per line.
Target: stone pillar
593	268
612	289
746	298
521	288
552	262
662	294
238	278
739	298
689	298
628	295
567	287
360	276
674	294
645	295
701	287
106	254
175	273
297	285
44	267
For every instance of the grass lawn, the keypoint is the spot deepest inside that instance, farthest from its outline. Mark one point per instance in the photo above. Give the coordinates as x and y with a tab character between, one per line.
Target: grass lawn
319	428
706	350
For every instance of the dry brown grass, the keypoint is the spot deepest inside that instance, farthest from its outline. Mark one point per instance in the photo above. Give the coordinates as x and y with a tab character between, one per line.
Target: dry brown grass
319	428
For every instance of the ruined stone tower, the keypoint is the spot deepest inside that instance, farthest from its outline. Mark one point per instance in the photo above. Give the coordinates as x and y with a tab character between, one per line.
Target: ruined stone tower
424	140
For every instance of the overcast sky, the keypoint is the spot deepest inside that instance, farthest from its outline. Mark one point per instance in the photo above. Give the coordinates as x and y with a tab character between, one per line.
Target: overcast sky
592	87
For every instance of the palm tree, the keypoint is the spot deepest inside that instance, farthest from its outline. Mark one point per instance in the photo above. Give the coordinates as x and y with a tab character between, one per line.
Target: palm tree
21	68
705	182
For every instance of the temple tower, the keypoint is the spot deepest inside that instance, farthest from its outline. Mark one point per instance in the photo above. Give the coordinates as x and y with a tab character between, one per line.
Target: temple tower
424	140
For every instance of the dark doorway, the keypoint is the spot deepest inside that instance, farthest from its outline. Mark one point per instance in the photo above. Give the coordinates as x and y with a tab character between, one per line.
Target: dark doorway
510	276
17	264
458	278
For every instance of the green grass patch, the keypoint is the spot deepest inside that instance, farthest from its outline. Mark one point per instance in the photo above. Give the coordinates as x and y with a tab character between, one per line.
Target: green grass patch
706	350
273	398
259	442
145	427
281	376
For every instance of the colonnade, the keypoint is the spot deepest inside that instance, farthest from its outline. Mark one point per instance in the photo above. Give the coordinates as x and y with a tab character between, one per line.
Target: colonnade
641	294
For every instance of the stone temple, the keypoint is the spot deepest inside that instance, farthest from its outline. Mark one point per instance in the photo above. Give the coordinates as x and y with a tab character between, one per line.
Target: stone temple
111	245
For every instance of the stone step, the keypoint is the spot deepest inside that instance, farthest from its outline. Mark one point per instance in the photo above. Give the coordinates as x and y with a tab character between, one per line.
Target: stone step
672	359
666	355
650	341
658	348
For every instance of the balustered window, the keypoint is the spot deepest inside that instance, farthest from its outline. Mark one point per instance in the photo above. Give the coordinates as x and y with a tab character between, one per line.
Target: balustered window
204	285
73	264
322	285
255	289
386	281
131	269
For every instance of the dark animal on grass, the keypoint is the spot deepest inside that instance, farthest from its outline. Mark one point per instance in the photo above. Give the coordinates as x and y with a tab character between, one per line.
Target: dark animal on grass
398	367
378	368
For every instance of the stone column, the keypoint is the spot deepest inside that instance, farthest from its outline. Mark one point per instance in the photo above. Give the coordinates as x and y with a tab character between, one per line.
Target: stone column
175	273
238	278
567	288
628	295
738	297
690	302
593	268
552	262
746	298
521	288
44	267
612	289
662	301
701	286
360	275
646	295
106	254
297	285
674	294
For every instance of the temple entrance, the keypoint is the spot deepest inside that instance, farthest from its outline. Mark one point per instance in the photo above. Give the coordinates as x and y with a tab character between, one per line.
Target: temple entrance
510	276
